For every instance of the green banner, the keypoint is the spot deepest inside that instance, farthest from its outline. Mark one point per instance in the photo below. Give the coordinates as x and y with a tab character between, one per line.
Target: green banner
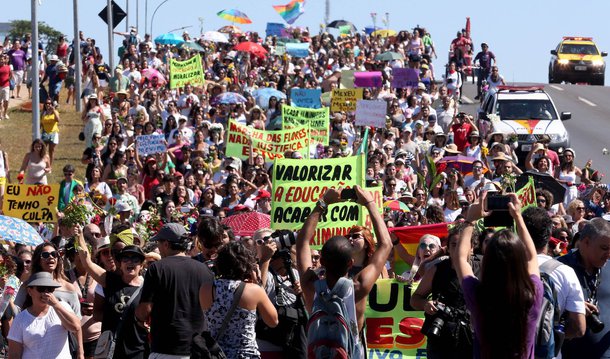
316	119
270	144
186	72
393	328
298	184
527	194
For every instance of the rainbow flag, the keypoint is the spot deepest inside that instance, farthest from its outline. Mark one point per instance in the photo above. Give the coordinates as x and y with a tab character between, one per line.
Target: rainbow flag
291	12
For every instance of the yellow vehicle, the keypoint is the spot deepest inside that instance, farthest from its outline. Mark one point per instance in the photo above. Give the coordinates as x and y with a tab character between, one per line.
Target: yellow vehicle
577	59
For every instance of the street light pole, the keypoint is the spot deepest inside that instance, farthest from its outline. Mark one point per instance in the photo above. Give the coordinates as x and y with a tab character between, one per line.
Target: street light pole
152	20
110	36
127	17
78	73
35	73
146	17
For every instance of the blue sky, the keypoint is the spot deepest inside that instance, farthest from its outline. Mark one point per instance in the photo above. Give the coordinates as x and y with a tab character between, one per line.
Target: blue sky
519	32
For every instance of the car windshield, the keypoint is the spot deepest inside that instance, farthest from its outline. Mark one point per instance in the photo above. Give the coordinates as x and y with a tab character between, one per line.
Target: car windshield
579	49
526	109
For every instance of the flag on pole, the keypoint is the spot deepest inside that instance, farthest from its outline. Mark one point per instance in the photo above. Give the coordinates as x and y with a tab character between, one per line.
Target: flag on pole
364	146
291	11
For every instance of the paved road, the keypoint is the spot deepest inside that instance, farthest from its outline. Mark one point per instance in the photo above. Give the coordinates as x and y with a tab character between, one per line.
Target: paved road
589	127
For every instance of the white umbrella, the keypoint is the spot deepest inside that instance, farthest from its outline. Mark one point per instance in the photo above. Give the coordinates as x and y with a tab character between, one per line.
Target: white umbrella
215	36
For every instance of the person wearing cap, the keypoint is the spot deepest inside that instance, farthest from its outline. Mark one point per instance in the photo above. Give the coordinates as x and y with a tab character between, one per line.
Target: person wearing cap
52	74
170	295
263	201
428	119
41	329
473	147
461	127
118	288
118	82
567	173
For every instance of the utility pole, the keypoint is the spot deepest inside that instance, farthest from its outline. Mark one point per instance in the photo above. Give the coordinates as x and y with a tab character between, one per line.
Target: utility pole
78	73
110	37
36	80
127	17
327	13
138	17
145	16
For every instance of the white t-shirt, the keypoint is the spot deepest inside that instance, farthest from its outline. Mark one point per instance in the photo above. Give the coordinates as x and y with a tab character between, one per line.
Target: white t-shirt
569	291
41	337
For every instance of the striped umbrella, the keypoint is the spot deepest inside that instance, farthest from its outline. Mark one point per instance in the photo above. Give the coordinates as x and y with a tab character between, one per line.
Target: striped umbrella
235	16
396	205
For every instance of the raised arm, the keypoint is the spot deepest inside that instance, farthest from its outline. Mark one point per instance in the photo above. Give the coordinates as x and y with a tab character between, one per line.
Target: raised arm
97	273
514	207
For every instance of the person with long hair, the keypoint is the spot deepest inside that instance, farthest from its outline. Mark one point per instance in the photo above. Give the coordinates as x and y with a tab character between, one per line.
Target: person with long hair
427	250
92	117
36	163
236	264
115	170
41	329
566	174
505	301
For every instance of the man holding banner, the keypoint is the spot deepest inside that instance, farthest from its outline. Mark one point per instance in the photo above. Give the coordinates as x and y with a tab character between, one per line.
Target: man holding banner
336	257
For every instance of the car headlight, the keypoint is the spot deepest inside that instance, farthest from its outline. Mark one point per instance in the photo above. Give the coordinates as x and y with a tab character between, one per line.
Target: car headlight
563	61
598	63
558	137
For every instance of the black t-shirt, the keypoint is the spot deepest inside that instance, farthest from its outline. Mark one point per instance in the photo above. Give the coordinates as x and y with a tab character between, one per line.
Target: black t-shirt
132	340
172	286
91	153
102	71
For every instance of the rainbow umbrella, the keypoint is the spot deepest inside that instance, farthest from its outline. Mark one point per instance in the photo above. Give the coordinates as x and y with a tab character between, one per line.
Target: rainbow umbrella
235	16
396	205
230	29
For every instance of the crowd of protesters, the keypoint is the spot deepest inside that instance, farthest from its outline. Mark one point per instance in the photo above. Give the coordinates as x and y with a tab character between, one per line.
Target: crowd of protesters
168	207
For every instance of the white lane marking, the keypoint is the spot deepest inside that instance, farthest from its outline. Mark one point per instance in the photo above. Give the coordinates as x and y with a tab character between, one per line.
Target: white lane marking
556	87
466	100
587	101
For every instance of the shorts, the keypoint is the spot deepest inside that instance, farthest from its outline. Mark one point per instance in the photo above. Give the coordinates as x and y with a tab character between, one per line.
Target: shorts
18	77
5	93
89	348
50	137
70	81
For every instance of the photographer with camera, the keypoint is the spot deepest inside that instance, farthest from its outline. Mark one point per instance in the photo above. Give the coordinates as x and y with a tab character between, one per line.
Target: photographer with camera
281	282
440	296
587	261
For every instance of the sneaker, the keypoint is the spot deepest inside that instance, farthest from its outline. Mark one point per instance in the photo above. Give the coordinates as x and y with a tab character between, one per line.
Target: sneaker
6	117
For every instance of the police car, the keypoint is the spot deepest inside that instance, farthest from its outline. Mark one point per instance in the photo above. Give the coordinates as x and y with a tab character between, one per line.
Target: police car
577	59
527	112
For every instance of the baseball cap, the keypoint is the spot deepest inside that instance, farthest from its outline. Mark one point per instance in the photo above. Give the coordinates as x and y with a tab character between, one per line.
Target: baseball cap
171	232
262	194
122	207
130	250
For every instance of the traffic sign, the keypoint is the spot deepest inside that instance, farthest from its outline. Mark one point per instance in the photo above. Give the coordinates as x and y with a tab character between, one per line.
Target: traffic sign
118	14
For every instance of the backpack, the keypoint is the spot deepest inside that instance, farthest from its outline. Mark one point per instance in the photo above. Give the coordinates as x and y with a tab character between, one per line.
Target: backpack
548	335
329	333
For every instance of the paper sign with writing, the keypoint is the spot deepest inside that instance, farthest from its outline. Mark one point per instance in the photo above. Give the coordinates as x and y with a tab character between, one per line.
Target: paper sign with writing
368	79
32	203
270	144
316	120
371	113
405	78
185	72
345	99
308	98
151	144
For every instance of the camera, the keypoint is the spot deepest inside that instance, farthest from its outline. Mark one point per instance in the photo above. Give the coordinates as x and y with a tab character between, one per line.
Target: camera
593	321
283	238
443	314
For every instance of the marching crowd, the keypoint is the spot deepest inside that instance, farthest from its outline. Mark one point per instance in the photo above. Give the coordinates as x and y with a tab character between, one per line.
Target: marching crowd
153	265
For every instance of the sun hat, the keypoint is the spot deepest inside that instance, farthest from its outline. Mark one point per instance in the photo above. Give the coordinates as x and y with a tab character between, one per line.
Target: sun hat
43	279
121	206
452	148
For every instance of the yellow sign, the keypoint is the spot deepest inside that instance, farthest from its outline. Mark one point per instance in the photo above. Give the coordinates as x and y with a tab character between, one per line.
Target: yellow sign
32	203
186	72
345	99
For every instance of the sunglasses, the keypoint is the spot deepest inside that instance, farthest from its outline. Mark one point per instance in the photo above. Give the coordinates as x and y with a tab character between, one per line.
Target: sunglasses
47	255
541	200
477	167
580	208
132	259
45	289
425	246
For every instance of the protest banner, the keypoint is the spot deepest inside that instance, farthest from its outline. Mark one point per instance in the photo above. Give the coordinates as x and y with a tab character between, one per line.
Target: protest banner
405	78
368	79
371	113
347	79
185	72
150	144
32	203
270	144
274	29
298	184
308	98
527	194
300	49
393	328
409	239
345	99
316	120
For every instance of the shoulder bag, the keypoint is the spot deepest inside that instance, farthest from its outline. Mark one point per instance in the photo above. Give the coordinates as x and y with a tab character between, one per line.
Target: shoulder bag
107	340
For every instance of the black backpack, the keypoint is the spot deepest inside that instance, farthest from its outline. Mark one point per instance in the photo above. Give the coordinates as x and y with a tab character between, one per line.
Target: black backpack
549	337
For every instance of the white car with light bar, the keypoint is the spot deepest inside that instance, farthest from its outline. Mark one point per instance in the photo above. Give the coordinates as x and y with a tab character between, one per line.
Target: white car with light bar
528	112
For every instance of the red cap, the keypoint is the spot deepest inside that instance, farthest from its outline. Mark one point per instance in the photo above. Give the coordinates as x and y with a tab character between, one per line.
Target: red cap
262	194
178	174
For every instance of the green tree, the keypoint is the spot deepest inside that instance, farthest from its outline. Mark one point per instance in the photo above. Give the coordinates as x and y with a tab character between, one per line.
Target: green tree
46	34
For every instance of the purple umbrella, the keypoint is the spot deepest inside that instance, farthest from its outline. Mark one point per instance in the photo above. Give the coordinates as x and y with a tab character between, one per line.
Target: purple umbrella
460	162
228	98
